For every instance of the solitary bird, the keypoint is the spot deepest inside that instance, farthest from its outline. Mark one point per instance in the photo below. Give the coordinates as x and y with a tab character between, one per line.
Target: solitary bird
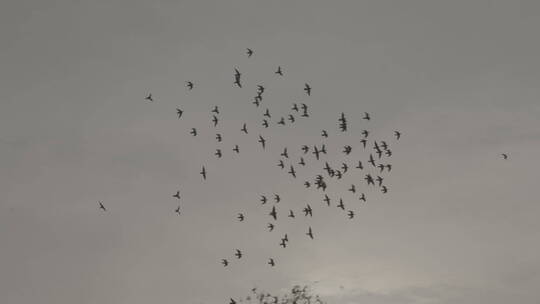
397	134
277	198
101	206
244	128
366	116
291	214
177	195
179	112
203	173
262	141
295	107
189	85
362	197
270	227
240	217
265	123
505	156
292	171
218	153
308	211
281	164
263	199
225	263
193	132
236	149
218	137
307	88
279	72
215	120
271	262
238	254
324	134
149	98
341	204
310	233
273	213
249	52
237	76
177	210
350	214
326	199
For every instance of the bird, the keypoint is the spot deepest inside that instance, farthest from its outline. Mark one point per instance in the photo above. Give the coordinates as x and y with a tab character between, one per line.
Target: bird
281	164
189	85
177	195
397	134
240	217
193	132
149	98
281	121
249	52
352	188
215	120
232	301
225	263
267	113
262	141
366	116
265	123
384	189
218	153
344	167
283	243
389	167
260	89
347	150
504	155
350	214
316	152
291	118
310	233
277	198
285	153
365	133
291	214
364	142
179	112
237	76
271	262
307	88
219	138
381	167
244	128
371	160
308	211
273	213
302	162
295	107
324	133
101	206
236	149
292	171
263	199
307	184
359	166
203	173
362	197
369	179
270	227
341	204
326	199
238	254
177	210
379	180
305	149
279	72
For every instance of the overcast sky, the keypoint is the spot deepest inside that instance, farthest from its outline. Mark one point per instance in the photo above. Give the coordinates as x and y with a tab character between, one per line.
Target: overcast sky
460	80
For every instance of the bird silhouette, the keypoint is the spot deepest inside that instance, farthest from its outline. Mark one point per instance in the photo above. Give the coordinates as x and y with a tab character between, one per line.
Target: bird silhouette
244	128
149	98
218	153
310	233
189	85
101	206
279	71
362	197
267	113
236	149
291	118
270	227
341	204
177	195
224	262
505	156
291	214
219	138
277	198
281	121
177	210
179	112
292	171
249	52
265	123
308	211
273	213
240	217
193	132
302	162
324	133
295	107
281	164
366	116
350	214
203	173
397	134
215	120
271	262
262	141
307	88
263	199
238	254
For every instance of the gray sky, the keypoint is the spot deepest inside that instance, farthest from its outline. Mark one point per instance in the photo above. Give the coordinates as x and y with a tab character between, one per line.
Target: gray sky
458	78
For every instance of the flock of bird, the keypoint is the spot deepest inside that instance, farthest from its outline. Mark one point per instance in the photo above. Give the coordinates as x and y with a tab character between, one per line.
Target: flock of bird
368	169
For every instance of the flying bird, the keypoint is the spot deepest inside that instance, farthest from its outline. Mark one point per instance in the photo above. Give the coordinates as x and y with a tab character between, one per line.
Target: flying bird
225	263
305	149
384	189
362	198
505	156
285	153
218	153
273	213
193	132
101	206
177	210
244	128
238	254
218	137
324	133
366	116
326	199
397	134
271	262
302	162
350	214
149	98
203	173
236	149
341	204
291	214
262	141
291	118
179	112
310	233
292	171
279	72
307	88
267	113
352	188
215	120
177	195
189	85
240	217
277	198
263	199
249	52
265	123
281	164
270	227
308	211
